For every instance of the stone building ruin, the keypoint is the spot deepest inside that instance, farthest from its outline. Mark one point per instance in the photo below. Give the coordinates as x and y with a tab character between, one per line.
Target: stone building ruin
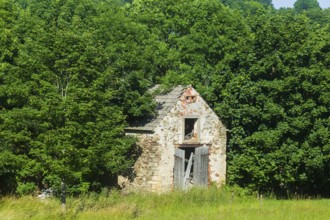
183	146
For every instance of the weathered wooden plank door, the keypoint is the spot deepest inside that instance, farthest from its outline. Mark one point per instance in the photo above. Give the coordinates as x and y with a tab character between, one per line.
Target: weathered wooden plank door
201	163
179	160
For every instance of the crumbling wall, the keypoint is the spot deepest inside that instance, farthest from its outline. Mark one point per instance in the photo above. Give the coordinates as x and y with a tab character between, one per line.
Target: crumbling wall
212	133
154	169
146	167
217	157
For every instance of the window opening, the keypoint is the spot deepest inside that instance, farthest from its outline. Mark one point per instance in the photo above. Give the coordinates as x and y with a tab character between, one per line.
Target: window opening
190	129
191	99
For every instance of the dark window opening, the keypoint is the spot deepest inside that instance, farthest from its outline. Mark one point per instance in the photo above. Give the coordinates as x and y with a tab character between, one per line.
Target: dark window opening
191	99
190	129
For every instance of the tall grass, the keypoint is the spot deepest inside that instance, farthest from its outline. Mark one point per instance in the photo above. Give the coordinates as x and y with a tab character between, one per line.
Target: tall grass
209	203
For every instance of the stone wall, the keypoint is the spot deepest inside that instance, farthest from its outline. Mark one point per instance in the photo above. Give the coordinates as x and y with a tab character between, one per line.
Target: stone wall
154	168
146	168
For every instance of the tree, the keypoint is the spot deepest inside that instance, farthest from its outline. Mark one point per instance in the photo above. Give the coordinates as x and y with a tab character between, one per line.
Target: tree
73	73
9	95
274	111
67	94
242	4
198	40
306	5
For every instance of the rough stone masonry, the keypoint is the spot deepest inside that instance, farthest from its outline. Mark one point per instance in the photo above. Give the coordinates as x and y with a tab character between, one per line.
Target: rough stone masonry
184	122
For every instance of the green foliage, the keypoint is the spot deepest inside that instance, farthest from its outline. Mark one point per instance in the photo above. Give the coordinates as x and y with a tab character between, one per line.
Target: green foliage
275	108
262	77
243	5
26	188
74	73
313	10
65	98
305	5
199	39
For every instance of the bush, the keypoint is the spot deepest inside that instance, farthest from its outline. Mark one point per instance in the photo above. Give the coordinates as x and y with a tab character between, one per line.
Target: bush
25	188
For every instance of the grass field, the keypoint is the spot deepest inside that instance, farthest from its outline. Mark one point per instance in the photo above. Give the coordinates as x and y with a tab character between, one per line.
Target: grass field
195	204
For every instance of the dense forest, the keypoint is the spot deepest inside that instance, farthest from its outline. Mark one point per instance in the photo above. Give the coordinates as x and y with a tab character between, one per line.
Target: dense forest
74	73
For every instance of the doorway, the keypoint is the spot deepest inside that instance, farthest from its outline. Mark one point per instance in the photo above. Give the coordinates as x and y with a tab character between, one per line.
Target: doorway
191	167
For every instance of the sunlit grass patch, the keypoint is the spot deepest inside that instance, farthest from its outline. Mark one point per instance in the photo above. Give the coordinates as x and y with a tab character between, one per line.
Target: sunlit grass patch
209	203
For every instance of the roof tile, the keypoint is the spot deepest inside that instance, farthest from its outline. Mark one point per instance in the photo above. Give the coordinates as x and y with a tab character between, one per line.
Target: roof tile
164	105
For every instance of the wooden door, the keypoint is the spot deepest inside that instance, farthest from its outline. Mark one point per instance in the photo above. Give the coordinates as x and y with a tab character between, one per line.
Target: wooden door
179	160
201	164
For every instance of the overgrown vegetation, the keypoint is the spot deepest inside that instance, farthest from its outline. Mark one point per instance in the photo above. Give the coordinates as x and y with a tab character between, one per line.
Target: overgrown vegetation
195	204
74	73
